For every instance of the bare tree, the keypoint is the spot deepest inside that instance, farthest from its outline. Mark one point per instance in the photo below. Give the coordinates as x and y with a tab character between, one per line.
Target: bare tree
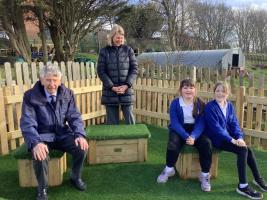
251	29
11	15
243	27
69	21
177	14
214	23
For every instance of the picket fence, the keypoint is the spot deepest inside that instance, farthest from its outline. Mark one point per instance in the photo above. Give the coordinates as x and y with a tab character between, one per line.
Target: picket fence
152	95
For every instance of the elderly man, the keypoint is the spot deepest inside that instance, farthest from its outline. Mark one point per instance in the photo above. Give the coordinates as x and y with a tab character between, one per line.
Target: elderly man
50	120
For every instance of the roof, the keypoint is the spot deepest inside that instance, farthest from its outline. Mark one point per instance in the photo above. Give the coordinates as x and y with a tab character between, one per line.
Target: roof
199	58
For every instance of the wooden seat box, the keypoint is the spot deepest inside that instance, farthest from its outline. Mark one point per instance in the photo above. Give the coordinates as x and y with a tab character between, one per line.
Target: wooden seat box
117	143
56	167
188	166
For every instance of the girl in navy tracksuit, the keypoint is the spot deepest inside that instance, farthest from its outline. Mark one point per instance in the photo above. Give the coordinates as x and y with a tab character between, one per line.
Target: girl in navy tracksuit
223	129
186	127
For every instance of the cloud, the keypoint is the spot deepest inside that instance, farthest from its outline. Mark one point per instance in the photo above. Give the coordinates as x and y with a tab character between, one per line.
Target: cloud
256	4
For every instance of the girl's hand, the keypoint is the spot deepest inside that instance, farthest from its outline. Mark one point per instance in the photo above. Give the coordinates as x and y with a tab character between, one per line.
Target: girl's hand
190	141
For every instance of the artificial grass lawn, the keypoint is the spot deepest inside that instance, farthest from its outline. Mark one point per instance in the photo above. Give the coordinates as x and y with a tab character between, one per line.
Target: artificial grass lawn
133	181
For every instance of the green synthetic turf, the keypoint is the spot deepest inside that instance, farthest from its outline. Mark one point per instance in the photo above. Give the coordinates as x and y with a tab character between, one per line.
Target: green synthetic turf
23	153
134	181
122	131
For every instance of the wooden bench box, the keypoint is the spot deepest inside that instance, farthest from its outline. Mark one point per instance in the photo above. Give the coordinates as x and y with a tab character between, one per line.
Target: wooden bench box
117	143
188	166
57	165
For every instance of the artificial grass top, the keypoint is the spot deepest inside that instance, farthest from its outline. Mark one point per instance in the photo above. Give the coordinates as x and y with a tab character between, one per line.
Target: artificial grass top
112	132
23	153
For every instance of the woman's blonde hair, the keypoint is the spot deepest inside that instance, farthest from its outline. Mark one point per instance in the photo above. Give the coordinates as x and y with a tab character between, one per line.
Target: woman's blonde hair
225	85
116	29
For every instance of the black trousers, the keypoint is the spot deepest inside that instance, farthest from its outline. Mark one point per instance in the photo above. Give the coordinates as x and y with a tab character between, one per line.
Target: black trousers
203	145
244	156
113	114
65	144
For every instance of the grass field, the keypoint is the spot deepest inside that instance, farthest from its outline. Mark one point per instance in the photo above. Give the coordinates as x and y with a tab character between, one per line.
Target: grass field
133	181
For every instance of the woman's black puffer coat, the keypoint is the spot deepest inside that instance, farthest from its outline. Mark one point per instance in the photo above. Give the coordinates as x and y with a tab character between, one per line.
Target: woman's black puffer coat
117	66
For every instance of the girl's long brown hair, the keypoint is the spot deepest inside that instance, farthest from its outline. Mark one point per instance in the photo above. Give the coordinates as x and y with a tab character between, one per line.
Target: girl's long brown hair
198	104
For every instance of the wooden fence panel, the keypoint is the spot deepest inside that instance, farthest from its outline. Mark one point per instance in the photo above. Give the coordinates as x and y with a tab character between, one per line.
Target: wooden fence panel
153	98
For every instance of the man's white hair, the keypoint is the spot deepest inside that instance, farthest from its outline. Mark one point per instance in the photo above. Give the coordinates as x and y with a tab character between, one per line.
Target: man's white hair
50	69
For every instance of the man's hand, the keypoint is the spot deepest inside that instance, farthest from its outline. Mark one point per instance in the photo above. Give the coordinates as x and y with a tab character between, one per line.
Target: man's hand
40	151
82	142
241	143
190	141
233	141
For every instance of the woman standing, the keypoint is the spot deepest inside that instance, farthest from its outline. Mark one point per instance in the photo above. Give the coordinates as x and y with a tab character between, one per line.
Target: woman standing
186	127
117	69
223	129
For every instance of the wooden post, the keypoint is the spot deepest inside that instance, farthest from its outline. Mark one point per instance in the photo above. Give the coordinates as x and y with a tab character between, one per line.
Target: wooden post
3	128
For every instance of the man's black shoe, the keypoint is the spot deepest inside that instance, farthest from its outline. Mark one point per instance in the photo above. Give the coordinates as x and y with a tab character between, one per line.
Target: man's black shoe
78	184
249	192
42	194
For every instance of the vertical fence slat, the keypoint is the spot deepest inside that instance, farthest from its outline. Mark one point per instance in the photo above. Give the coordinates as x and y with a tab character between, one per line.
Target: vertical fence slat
93	71
165	102
10	116
88	102
69	67
138	100
18	114
34	72
159	103
3	129
144	98
8	74
26	74
63	72
149	101
93	80
19	75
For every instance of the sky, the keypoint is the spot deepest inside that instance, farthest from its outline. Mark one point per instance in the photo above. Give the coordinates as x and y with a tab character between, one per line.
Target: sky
243	3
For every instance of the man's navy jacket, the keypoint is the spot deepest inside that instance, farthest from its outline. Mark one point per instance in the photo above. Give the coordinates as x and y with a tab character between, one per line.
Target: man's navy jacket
39	118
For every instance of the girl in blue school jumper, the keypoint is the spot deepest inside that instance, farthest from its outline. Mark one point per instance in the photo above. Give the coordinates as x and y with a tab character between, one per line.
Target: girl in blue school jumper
223	129
186	127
